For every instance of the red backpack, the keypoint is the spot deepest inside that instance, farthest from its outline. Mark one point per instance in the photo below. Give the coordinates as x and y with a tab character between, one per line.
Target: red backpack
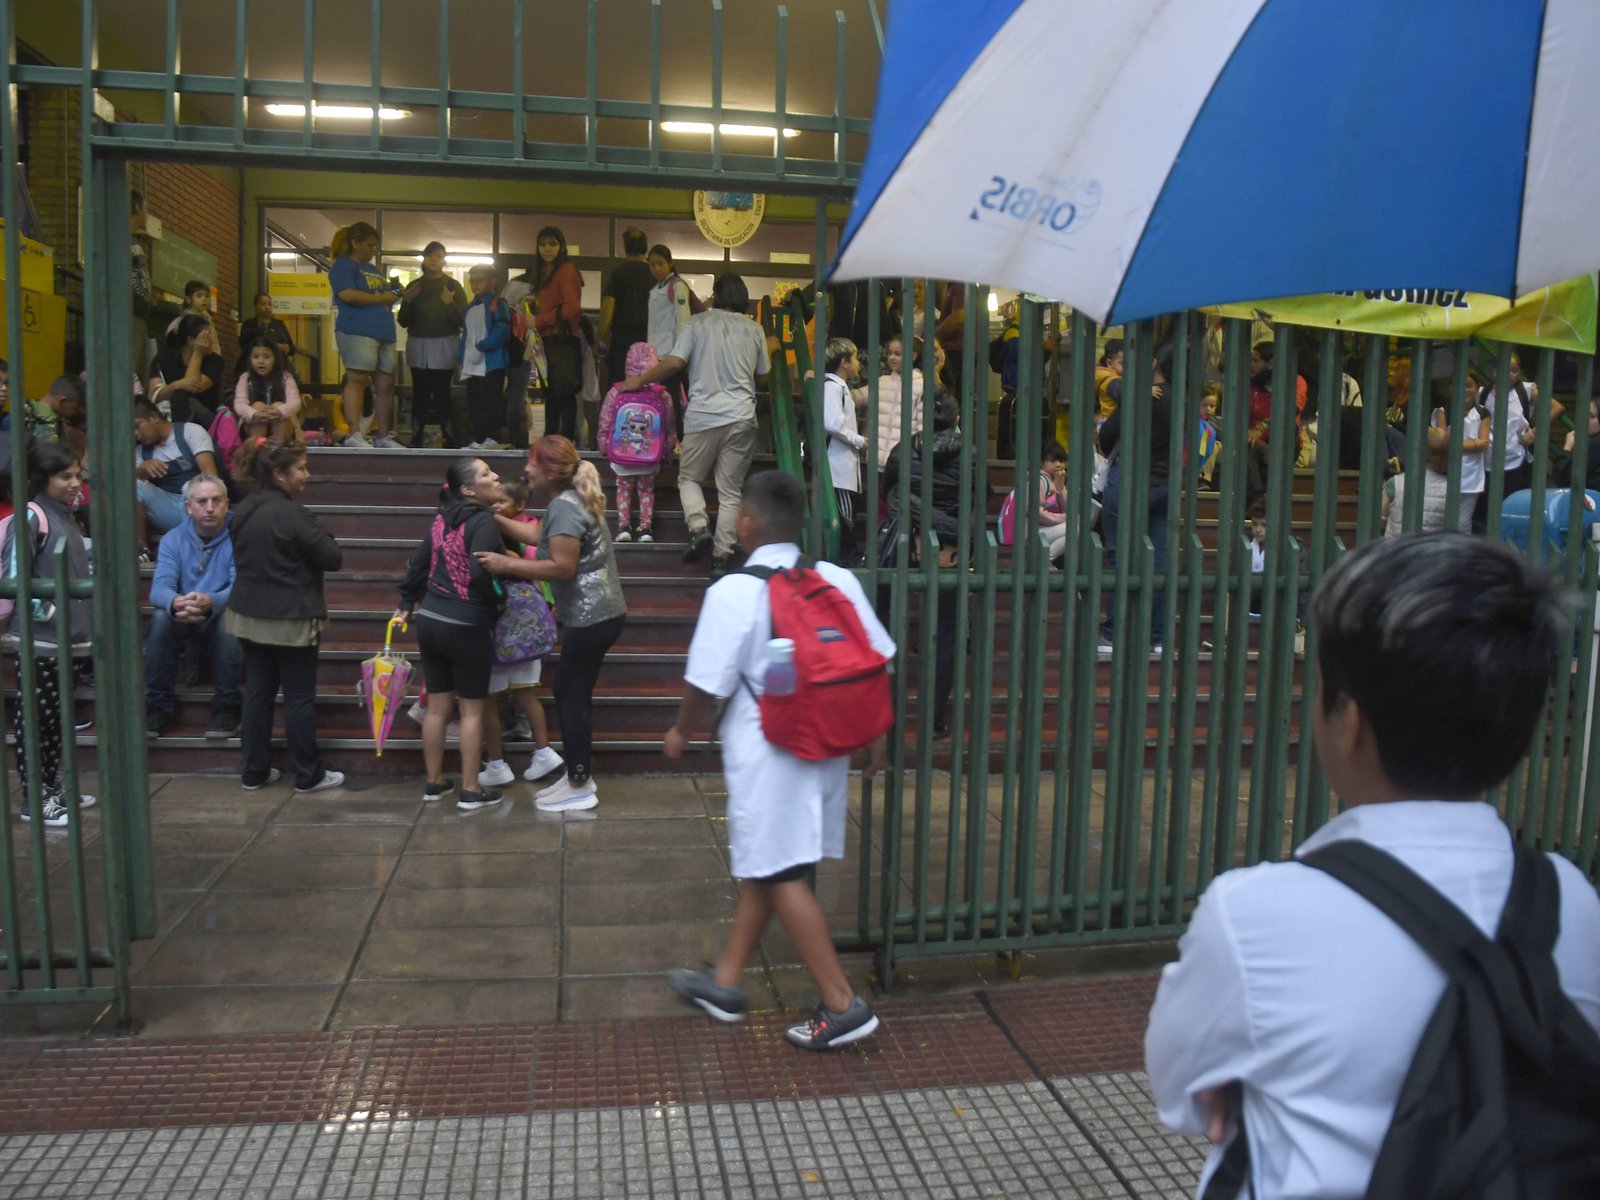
842	699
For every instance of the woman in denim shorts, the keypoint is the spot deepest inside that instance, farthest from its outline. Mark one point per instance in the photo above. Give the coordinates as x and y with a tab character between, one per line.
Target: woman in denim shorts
363	331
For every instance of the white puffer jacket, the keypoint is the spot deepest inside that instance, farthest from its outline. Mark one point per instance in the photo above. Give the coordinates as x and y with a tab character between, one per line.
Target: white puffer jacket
889	412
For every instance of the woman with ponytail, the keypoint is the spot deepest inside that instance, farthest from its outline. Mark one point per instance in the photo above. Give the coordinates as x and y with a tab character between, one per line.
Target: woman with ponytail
363	330
277	611
456	603
577	558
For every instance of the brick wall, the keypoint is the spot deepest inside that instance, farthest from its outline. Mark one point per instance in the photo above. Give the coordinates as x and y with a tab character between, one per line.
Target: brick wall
195	204
190	200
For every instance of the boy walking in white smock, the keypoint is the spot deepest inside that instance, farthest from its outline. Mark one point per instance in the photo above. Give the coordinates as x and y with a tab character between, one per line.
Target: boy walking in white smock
784	813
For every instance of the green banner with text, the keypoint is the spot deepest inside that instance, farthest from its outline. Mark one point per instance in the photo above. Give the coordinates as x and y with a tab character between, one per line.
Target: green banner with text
1561	316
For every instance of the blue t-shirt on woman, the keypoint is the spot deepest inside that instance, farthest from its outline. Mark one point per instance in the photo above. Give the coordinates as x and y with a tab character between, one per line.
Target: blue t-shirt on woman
363	320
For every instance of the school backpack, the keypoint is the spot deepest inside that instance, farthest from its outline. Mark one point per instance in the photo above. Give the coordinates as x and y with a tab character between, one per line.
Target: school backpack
526	629
1006	522
696	305
521	322
841	700
225	437
638	433
42	610
1502	1098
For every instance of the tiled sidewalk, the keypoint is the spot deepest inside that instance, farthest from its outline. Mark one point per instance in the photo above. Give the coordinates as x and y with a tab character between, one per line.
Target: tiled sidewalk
356	994
1032	1092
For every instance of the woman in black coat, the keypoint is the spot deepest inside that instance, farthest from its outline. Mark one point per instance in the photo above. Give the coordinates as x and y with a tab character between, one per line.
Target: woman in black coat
277	611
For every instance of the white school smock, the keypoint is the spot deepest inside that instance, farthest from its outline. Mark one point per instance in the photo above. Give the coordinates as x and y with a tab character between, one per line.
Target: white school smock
844	438
782	810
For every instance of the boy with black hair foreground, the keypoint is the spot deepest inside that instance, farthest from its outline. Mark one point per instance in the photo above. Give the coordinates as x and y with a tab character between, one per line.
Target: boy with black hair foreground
784	813
1295	998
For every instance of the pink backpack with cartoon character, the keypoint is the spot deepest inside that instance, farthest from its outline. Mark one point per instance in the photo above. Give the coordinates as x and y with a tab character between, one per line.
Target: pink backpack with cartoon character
636	427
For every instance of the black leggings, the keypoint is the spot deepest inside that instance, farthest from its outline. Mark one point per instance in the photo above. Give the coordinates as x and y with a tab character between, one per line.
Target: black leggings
561	415
583	649
486	404
48	713
430	403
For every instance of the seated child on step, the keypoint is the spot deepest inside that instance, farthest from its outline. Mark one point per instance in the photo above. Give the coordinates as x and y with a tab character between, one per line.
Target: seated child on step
266	398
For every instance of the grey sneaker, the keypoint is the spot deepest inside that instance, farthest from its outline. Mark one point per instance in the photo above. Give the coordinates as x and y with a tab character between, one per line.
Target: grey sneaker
438	791
357	441
827	1030
388	442
700	987
329	781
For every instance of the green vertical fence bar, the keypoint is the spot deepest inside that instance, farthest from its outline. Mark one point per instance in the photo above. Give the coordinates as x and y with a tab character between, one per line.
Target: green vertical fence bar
10	206
716	96
591	83
870	356
1036	568
1374	452
375	125
1537	796
1502	385
118	664
780	105
1167	903
1276	663
1232	629
169	106
1417	415
70	791
655	80
241	69
443	102
308	60
1580	558
519	111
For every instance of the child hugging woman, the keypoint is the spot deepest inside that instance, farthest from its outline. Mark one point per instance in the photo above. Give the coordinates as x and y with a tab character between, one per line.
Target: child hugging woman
266	398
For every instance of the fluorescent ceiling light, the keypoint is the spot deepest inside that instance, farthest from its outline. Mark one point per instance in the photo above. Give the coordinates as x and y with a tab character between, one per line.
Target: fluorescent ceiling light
727	130
351	112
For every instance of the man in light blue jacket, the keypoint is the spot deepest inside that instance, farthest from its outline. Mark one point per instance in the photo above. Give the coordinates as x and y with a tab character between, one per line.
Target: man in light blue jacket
189	593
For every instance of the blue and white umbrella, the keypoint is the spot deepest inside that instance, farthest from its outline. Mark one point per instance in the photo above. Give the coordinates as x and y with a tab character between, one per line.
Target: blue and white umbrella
1137	157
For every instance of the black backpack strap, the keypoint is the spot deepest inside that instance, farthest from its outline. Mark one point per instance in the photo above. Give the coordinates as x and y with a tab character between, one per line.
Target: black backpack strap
1516	966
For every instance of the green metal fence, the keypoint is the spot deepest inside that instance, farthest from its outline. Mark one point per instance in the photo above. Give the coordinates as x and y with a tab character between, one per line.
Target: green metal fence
1075	798
1084	795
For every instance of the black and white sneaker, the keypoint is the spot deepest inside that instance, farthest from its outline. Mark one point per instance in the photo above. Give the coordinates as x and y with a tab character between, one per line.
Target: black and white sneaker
471	801
438	791
700	987
828	1030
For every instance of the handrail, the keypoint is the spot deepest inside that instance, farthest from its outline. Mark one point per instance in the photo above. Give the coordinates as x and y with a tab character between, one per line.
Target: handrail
825	505
785	434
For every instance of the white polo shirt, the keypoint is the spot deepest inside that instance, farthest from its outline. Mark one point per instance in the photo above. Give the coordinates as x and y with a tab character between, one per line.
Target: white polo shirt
1291	984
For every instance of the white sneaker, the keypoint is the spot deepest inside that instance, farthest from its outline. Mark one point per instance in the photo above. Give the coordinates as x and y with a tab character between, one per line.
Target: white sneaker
623	535
645	535
357	441
86	801
544	761
496	773
329	781
273	775
566	796
388	442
